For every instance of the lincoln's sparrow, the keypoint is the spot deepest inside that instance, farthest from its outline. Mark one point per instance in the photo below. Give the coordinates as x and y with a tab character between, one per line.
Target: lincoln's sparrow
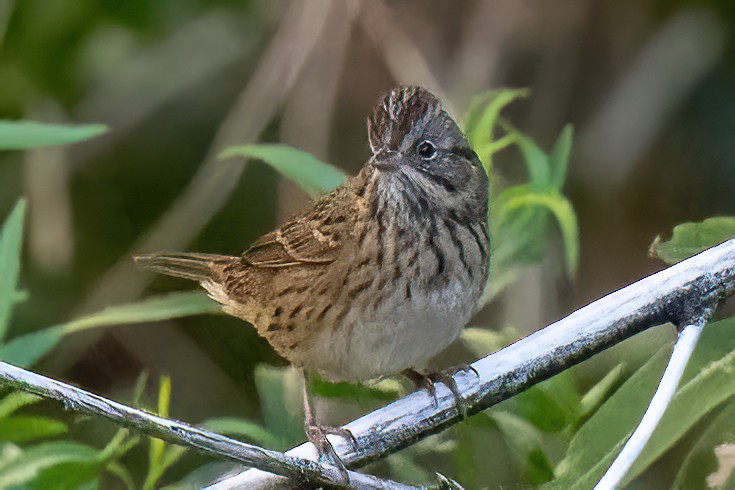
377	276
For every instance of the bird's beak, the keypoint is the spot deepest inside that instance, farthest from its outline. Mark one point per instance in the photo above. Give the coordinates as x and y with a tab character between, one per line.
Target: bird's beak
385	160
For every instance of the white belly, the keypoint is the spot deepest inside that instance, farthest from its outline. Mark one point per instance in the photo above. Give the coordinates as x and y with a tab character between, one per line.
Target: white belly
397	336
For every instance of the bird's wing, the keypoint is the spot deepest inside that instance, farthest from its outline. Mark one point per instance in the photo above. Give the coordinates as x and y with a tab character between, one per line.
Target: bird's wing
303	240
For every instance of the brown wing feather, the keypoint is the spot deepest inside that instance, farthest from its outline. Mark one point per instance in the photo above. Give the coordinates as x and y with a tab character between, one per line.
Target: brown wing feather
310	238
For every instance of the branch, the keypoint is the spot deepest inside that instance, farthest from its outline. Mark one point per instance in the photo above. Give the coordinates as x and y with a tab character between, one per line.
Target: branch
683	348
674	294
295	468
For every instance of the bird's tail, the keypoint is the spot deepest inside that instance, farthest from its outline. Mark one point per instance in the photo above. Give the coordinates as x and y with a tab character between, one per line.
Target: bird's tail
192	266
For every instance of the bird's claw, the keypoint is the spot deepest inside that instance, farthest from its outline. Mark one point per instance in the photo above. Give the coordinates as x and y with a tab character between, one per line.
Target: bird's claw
317	435
428	382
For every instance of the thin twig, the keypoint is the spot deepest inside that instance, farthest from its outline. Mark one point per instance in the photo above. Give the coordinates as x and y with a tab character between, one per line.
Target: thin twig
78	400
665	296
683	348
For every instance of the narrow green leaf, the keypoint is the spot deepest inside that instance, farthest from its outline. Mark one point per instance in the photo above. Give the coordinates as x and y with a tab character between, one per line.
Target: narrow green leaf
15	400
691	238
520	197
164	396
518	229
27	349
24	428
26	465
312	175
559	157
20	135
171	455
536	161
11	239
241	428
157	446
482	118
175	305
594	398
122	474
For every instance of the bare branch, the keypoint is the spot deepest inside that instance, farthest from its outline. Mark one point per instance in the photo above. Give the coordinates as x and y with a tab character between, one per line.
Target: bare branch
683	348
673	294
78	400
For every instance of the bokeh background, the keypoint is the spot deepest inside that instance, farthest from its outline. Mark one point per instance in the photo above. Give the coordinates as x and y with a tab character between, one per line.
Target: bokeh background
649	87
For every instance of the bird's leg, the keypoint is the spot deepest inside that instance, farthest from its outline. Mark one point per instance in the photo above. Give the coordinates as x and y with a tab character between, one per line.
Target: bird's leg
428	382
421	382
317	433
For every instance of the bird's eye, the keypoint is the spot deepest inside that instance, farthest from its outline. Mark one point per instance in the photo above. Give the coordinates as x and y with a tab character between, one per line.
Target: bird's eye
426	150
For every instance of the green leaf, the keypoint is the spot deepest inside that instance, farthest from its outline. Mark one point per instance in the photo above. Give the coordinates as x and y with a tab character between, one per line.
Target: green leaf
312	175
157	446
515	210
524	442
241	428
20	135
482	118
551	406
23	466
701	461
13	401
70	476
353	392
537	163
559	157
278	389
23	428
11	239
482	341
595	397
27	349
691	238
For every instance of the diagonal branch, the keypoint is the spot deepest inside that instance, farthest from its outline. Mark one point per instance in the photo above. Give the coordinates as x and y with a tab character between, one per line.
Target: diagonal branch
670	295
293	467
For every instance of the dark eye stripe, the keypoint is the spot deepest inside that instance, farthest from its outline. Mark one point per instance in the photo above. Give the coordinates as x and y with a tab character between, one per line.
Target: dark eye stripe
438	179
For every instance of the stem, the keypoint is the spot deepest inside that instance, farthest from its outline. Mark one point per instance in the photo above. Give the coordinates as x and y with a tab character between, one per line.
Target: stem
683	348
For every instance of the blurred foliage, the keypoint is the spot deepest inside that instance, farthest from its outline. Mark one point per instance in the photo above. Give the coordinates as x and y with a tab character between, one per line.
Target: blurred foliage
691	238
519	215
21	135
313	176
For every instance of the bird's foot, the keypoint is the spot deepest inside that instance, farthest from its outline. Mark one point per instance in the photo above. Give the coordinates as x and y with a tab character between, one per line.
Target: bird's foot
317	435
428	382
